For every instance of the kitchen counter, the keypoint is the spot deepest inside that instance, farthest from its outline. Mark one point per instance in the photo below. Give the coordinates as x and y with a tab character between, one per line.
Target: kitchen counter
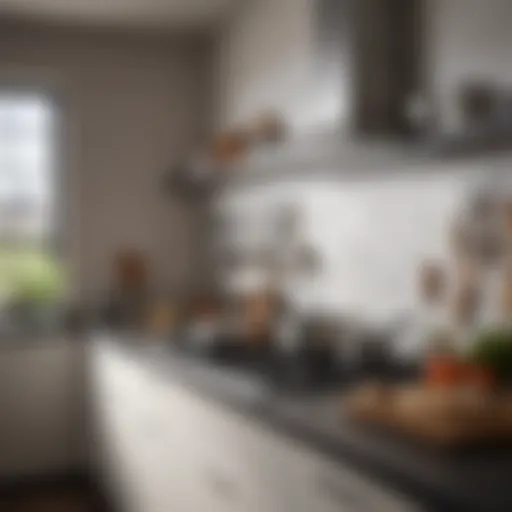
437	480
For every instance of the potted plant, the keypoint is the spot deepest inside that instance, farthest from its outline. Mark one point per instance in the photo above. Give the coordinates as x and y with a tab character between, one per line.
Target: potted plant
490	358
444	366
37	289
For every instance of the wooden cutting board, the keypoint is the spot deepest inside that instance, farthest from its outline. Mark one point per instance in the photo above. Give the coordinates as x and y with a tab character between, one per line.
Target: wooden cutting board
450	418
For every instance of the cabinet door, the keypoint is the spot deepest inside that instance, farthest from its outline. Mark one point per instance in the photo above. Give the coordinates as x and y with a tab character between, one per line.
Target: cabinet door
299	479
274	472
172	450
200	432
43	406
165	451
230	463
139	462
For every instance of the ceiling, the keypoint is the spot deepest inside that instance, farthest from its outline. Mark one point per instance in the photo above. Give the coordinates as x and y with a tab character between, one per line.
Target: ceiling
173	14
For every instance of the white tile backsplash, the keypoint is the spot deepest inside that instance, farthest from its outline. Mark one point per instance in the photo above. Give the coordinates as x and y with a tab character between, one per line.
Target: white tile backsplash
371	235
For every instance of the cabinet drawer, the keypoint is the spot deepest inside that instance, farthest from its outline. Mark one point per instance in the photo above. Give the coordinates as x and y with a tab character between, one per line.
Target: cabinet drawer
318	485
241	465
179	476
200	434
185	453
286	474
300	479
126	390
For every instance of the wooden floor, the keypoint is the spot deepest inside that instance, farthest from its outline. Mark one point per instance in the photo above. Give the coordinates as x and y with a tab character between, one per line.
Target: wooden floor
49	502
52	498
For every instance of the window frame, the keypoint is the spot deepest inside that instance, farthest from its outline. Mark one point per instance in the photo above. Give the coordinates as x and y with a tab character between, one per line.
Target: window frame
56	241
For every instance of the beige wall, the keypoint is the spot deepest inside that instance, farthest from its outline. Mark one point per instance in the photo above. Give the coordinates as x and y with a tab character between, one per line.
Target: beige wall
131	105
264	58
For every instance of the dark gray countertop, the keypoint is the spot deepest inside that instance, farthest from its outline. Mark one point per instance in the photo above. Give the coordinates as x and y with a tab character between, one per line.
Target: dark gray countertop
470	481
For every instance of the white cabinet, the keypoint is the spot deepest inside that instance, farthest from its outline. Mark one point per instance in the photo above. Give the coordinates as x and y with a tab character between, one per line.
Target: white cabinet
301	480
172	450
43	407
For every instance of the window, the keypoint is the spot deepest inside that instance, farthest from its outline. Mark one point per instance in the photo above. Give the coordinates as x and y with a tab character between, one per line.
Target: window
29	269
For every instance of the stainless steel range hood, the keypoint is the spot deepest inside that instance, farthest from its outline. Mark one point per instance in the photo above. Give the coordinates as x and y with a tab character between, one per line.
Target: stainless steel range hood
371	51
375	56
